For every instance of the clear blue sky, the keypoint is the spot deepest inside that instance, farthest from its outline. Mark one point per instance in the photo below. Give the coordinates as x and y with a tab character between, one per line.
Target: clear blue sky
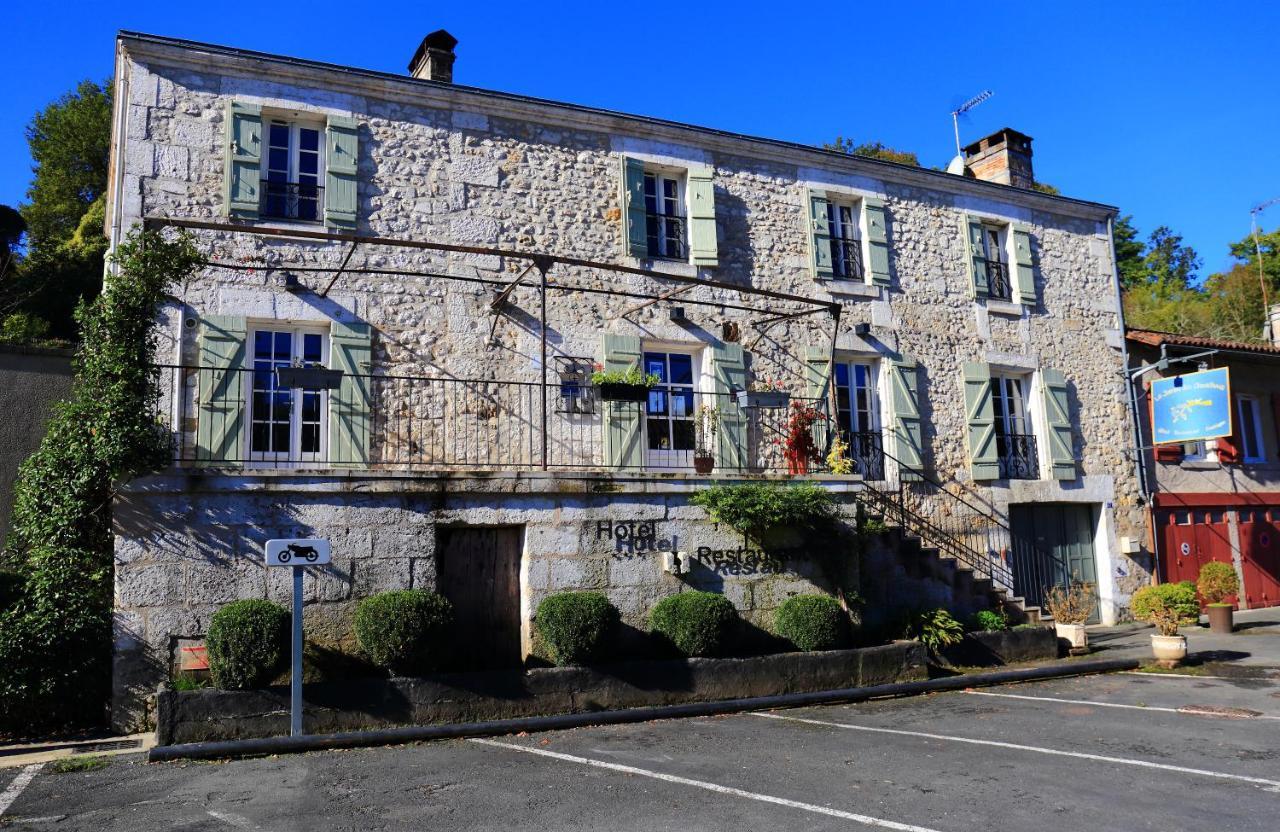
1167	110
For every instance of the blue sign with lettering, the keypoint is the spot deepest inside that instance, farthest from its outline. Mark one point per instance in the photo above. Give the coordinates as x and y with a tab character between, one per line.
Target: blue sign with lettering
1190	407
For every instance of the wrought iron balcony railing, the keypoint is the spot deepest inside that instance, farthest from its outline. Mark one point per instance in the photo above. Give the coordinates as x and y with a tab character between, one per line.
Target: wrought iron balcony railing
846	258
1018	457
292	201
666	235
998	285
866	451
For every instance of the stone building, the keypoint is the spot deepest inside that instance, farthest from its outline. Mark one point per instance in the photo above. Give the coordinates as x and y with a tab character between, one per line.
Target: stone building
1215	499
462	258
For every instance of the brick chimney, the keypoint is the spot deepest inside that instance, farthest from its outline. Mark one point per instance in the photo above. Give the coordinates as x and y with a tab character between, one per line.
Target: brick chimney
1003	157
434	59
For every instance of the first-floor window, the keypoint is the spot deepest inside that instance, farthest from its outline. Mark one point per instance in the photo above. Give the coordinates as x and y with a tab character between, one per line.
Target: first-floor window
1250	429
669	412
665	230
287	424
999	286
846	248
1015	439
291	187
858	417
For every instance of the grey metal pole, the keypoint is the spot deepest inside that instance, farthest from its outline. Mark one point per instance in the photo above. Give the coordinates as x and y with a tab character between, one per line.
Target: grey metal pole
295	708
542	316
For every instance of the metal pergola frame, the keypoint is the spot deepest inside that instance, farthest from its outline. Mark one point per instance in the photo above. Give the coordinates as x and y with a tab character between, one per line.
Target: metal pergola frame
541	261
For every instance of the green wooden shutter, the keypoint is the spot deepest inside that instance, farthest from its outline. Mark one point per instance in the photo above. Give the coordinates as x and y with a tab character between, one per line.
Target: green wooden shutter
220	390
634	223
817	371
1057	411
242	160
819	237
984	461
351	405
730	373
974	255
1024	278
702	217
623	421
908	441
343	157
877	241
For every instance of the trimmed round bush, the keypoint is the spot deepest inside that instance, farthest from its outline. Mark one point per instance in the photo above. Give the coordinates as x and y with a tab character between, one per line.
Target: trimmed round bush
695	623
812	622
1167	606
1216	581
404	630
575	625
247	644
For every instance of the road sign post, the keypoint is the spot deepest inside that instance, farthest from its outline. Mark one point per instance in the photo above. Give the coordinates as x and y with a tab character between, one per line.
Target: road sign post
297	554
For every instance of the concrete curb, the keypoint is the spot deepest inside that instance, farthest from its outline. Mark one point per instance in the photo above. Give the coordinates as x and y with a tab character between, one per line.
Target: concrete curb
420	733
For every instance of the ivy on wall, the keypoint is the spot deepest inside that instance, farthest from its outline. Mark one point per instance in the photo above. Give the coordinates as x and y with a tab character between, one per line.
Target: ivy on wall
55	633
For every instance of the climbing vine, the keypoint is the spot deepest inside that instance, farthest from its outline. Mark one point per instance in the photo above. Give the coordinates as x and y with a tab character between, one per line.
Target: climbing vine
55	634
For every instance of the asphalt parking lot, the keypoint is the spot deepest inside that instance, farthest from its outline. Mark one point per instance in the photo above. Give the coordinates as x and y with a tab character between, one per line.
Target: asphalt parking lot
1118	752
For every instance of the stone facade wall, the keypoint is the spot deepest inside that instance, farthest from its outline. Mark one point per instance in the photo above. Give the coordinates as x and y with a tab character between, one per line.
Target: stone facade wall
456	166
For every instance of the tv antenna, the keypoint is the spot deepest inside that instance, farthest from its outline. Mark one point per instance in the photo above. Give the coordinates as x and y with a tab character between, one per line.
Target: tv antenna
1257	246
964	108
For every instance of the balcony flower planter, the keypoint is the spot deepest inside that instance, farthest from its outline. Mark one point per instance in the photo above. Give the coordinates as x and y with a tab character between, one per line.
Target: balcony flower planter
765	399
703	463
613	391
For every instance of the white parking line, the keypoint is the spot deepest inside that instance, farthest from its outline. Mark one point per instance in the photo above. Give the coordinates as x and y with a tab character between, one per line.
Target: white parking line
711	787
19	783
1189	711
1151	675
1272	785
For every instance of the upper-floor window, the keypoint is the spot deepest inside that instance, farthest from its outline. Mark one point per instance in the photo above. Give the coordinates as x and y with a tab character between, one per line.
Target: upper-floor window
670	409
292	171
1250	429
665	222
846	247
858	417
996	253
287	425
1015	437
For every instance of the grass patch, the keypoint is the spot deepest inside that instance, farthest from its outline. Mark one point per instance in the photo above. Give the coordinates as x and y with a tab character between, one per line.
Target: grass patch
83	762
190	681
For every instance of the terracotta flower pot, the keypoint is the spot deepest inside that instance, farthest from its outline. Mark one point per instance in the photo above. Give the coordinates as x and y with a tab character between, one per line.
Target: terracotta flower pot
1076	636
1169	650
797	464
703	463
1221	619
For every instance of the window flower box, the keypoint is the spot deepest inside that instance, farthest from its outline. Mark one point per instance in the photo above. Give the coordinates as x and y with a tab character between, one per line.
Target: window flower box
766	399
617	391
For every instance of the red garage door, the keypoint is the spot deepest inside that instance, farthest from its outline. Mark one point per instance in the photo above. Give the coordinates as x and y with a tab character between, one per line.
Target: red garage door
1191	538
1260	555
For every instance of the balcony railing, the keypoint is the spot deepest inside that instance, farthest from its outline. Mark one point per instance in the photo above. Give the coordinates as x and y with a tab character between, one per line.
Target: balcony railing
666	236
846	258
1018	457
292	201
866	451
412	423
998	285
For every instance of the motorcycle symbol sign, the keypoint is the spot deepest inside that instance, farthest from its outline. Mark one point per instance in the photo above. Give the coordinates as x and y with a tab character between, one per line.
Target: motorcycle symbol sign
297	552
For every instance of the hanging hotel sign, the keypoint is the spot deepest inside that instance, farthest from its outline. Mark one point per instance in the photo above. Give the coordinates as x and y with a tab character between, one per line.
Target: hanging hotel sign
1190	407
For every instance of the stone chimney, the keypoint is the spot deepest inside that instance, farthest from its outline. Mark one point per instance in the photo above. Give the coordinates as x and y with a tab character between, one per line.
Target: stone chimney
1003	157
434	59
1271	329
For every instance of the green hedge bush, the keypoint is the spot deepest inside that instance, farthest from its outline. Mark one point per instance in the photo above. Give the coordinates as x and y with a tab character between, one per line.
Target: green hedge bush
755	508
812	622
576	626
405	630
695	623
248	644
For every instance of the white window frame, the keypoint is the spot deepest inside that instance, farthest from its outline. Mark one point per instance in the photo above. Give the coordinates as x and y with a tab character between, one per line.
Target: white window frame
1244	400
671	458
294	456
295	126
1032	420
839	227
660	176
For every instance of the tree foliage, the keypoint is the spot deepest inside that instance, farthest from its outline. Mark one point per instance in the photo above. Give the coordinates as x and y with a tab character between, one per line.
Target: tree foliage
873	150
55	640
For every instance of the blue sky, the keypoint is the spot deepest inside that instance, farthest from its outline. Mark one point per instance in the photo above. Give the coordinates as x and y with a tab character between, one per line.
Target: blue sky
1167	110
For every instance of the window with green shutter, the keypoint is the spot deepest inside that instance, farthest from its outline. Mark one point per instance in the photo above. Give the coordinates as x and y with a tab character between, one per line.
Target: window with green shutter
730	374
908	439
1024	279
1057	412
342	141
877	241
242	160
975	249
703	249
984	459
820	237
623	421
220	390
351	405
634	220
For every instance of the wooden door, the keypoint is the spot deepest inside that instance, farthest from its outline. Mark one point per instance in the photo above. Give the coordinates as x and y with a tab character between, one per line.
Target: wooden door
1062	534
1260	556
479	572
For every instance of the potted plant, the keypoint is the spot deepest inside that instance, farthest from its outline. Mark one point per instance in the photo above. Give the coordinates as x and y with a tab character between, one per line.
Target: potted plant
798	446
1071	606
706	428
1218	580
1167	606
764	393
629	385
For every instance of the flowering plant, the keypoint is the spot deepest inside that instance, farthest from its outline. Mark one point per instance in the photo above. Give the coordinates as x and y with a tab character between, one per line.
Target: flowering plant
631	375
765	384
799	445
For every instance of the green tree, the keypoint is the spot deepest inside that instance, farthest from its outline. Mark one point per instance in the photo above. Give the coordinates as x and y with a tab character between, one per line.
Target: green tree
1129	250
873	150
12	227
1167	260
